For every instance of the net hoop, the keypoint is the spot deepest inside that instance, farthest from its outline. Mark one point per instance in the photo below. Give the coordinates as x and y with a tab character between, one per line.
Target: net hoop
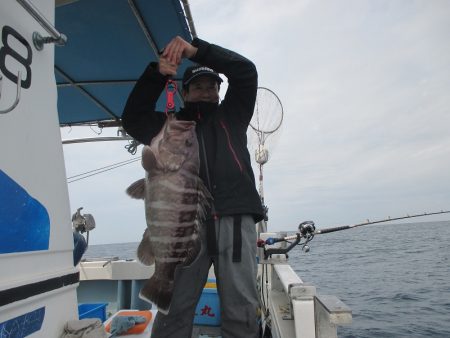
276	102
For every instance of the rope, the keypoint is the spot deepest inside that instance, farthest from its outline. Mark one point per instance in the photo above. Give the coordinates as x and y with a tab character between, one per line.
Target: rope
132	147
100	170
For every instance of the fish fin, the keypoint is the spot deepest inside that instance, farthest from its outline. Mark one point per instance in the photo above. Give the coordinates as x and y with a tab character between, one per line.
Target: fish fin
158	291
148	161
137	189
145	250
192	252
204	200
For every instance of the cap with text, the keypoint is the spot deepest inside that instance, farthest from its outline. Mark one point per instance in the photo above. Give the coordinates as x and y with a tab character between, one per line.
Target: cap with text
194	72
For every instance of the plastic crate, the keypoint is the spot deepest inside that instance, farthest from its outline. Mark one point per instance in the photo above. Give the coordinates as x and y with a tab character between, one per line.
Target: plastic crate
207	311
97	310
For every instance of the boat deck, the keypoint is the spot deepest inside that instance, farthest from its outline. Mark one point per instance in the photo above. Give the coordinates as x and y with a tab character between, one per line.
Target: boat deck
295	308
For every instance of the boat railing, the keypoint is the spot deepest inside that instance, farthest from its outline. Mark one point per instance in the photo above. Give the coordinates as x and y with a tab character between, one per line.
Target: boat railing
294	307
297	310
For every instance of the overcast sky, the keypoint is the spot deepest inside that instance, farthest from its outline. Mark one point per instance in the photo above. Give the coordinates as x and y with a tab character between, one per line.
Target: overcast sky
365	87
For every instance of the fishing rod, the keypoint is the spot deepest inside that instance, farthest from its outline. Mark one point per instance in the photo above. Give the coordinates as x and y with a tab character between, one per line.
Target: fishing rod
307	231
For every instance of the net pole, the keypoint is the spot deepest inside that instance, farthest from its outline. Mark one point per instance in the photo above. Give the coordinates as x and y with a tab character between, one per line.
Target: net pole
261	189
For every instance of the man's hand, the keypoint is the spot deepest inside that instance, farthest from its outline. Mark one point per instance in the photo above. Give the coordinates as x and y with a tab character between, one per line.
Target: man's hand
178	49
166	67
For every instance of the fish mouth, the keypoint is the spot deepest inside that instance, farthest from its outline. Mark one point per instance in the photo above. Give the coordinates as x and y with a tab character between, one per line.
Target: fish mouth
182	125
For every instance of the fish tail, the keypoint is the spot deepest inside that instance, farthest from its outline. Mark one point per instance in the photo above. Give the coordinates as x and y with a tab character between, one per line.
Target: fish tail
145	250
158	291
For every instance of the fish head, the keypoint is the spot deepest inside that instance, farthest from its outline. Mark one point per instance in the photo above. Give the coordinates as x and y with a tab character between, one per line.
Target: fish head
180	136
173	146
179	144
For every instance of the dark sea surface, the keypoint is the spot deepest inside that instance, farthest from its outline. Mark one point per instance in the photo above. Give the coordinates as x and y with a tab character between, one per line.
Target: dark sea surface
394	277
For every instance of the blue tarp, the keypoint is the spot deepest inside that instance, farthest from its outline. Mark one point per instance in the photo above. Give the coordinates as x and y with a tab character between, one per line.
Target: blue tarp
107	44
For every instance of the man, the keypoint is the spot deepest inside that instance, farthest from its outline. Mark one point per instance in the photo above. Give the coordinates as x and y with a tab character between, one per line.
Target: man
228	235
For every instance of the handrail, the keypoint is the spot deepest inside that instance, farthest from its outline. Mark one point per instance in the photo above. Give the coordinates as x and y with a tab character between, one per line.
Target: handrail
187	11
97	139
16	101
140	20
56	37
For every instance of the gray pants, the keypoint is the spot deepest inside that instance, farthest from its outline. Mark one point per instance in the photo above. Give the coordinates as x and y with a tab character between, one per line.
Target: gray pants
236	285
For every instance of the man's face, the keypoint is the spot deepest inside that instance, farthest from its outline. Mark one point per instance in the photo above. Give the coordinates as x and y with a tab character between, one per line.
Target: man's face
203	88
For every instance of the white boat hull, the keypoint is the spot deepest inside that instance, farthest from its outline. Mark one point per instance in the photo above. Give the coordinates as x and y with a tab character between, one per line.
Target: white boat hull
38	280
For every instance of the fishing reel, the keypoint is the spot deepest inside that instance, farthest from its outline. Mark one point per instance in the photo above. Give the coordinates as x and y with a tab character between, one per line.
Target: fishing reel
82	222
306	231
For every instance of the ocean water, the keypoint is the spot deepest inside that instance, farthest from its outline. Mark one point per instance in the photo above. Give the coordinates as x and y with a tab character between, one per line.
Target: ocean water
394	277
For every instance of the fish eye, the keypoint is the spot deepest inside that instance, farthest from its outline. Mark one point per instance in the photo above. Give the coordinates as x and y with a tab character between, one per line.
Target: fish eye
188	142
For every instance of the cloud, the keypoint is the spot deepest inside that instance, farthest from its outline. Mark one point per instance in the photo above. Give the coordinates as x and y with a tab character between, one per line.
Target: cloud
364	87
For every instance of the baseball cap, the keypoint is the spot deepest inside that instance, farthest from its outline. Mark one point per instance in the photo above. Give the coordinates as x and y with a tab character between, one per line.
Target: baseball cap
198	70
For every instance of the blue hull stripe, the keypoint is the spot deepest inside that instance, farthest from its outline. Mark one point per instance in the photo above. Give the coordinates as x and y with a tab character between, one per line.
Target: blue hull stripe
24	325
24	221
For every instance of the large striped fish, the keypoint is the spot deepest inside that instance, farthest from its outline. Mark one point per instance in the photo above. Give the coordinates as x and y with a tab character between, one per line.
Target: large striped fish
175	203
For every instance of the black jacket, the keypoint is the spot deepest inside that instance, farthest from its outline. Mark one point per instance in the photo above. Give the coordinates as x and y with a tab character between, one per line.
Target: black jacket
222	131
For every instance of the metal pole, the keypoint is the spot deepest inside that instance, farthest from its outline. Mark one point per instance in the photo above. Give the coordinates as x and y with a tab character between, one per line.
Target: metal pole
59	39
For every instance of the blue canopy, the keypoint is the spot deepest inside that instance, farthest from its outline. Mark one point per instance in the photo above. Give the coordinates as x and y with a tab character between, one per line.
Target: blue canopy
109	44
